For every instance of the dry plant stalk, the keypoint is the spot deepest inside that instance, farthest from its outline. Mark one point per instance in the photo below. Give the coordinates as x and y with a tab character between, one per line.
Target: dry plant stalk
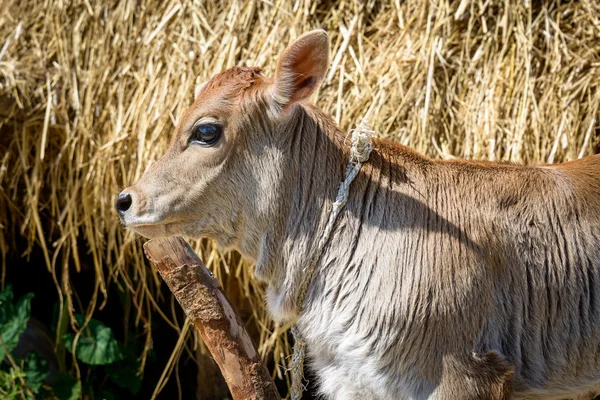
204	302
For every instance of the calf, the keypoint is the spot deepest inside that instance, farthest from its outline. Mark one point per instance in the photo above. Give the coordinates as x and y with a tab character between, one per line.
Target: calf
441	279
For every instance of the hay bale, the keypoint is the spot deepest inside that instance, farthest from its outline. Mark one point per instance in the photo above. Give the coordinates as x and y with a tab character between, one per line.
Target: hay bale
92	90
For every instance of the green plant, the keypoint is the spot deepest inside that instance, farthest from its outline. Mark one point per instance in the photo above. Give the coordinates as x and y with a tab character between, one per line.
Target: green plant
23	377
108	362
96	346
13	385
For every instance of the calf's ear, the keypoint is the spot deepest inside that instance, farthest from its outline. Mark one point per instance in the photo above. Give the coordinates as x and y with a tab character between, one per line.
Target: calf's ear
301	68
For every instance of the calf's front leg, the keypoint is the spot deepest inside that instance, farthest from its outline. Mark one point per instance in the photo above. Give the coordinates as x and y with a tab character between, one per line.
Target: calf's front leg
485	376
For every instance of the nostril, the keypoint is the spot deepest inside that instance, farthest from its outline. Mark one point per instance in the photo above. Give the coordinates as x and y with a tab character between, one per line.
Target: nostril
123	203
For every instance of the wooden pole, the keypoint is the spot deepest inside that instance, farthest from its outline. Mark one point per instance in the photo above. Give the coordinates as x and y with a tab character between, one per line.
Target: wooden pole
204	302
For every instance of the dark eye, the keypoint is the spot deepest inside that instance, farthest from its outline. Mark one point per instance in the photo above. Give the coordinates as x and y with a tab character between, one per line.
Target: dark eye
206	134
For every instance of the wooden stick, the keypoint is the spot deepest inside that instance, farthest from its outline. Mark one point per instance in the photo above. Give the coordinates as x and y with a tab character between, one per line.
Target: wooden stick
204	302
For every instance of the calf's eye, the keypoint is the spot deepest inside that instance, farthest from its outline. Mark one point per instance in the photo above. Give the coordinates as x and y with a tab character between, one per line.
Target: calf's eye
206	134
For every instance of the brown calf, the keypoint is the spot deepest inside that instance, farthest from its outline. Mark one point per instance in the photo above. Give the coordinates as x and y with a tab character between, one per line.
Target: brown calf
442	279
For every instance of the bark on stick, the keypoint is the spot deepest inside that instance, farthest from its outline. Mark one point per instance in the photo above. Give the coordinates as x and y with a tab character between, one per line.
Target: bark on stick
204	302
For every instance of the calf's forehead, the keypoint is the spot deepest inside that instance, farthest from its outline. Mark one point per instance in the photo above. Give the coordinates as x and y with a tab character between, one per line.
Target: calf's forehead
219	96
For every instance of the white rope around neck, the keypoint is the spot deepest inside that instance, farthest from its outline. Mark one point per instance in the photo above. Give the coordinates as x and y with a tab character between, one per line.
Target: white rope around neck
359	153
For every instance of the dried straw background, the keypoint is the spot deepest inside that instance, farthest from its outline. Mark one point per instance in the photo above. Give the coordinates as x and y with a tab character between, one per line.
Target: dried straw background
92	90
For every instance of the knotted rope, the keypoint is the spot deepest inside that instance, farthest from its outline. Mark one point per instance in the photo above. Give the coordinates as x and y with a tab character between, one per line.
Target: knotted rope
359	153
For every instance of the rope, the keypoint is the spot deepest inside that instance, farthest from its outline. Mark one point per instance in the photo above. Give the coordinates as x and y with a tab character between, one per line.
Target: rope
359	153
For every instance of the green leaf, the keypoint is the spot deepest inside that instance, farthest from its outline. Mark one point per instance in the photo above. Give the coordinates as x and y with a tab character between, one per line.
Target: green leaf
65	387
13	319
96	344
36	370
6	296
125	373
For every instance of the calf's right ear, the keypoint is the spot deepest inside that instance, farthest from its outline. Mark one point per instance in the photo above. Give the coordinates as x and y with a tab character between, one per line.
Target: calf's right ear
301	68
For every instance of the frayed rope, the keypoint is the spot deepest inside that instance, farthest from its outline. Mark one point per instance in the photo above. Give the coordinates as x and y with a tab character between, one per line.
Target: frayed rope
360	151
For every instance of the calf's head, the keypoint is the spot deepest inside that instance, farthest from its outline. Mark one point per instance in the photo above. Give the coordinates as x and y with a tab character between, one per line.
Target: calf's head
220	176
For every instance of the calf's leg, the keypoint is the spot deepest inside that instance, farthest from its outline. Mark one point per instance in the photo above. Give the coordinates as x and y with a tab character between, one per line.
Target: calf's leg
485	376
